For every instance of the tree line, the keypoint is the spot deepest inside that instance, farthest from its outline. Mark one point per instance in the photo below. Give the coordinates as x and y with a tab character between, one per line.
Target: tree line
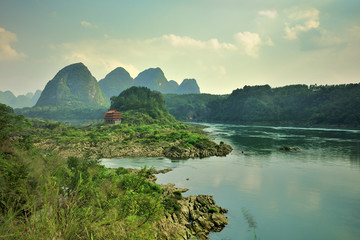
337	105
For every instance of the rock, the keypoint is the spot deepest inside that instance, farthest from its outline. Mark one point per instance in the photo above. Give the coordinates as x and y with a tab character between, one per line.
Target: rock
219	220
205	223
285	148
288	149
165	170
177	152
194	218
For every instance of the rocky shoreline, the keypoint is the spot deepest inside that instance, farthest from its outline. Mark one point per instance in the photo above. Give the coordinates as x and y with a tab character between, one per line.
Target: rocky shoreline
109	150
196	216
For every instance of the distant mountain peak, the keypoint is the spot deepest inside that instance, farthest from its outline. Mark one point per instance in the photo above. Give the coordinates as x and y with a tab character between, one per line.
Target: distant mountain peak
72	86
152	78
115	82
188	86
118	71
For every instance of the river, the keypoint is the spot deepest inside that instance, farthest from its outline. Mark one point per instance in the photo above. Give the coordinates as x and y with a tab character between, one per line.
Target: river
313	193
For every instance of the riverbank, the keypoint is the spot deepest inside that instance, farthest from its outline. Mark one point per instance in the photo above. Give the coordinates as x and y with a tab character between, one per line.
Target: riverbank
177	141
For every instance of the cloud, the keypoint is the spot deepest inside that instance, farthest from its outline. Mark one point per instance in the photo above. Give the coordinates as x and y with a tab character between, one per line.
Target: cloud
251	42
87	24
170	52
113	52
6	51
184	41
301	21
268	13
96	59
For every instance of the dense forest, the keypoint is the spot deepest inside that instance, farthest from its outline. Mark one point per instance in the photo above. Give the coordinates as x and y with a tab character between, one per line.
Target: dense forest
337	105
191	107
141	105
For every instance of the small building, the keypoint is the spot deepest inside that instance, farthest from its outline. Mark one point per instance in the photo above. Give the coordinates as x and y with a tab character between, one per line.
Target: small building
112	117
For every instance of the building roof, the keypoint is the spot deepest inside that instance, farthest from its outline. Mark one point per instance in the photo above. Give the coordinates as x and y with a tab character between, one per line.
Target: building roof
112	114
112	111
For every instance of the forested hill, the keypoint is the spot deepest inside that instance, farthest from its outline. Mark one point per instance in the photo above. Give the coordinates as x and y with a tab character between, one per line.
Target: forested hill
140	105
337	105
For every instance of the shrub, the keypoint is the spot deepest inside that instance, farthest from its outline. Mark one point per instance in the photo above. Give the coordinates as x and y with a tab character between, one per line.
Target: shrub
177	195
213	210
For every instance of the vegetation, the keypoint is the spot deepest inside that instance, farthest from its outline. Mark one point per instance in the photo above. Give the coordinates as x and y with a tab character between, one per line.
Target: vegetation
191	107
43	197
73	86
147	130
118	140
115	82
337	105
140	105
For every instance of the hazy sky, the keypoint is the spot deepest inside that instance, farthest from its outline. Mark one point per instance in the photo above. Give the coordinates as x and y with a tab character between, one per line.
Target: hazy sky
223	44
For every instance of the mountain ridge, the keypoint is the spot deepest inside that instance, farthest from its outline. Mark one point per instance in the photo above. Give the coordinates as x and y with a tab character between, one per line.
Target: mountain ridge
24	100
153	78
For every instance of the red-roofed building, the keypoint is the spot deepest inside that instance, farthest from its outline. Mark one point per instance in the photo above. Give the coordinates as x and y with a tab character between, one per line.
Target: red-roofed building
112	117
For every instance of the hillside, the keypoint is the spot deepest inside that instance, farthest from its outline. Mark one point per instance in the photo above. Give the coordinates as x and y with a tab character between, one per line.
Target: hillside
141	105
115	82
191	107
72	86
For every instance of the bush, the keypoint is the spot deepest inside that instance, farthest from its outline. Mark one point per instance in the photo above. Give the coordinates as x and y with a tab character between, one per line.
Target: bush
177	195
213	210
121	170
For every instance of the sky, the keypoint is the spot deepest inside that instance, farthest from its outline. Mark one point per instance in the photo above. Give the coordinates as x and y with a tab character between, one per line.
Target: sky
223	44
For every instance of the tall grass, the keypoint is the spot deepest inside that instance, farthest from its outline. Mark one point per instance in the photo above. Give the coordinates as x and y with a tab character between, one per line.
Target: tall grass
48	198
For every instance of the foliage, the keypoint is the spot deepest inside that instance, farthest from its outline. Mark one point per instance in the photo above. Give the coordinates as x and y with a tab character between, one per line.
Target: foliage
43	197
177	195
140	105
73	86
190	107
99	140
337	105
213	210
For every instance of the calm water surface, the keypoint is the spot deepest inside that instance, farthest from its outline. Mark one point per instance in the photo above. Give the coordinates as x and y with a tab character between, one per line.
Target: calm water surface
313	193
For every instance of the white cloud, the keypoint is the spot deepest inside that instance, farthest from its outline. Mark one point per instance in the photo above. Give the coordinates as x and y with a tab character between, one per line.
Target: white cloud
268	13
184	41
301	21
96	60
6	51
251	42
87	24
170	52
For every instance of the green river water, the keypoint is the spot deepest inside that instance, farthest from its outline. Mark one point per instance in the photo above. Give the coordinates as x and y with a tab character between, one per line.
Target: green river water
313	193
